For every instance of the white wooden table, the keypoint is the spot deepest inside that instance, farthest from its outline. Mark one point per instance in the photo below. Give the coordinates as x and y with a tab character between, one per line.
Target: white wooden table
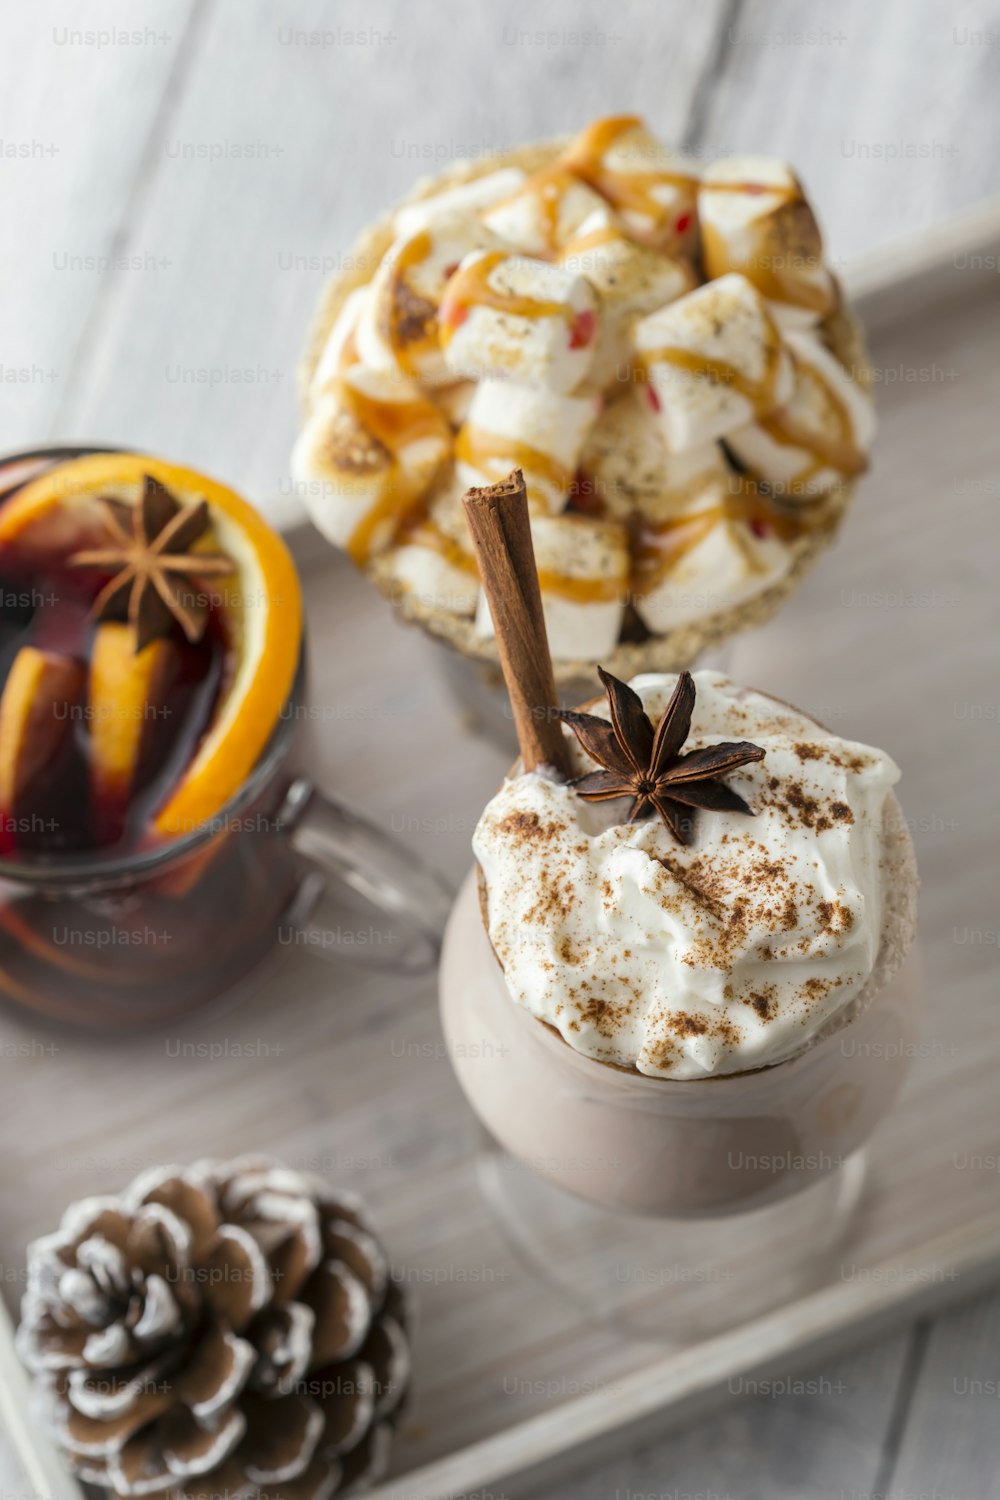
180	175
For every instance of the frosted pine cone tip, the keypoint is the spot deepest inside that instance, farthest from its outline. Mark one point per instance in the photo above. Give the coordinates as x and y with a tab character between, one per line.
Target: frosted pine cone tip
225	1329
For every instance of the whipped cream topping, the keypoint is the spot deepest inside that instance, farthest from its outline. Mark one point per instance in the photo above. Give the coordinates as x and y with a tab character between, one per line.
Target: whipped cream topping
684	961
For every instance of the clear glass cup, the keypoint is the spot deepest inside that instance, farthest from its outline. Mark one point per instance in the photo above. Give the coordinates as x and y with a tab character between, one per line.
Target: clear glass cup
134	939
603	1178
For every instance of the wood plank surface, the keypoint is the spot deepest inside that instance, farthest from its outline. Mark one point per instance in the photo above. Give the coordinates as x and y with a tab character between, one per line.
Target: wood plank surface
950	1443
252	202
888	111
366	1055
78	109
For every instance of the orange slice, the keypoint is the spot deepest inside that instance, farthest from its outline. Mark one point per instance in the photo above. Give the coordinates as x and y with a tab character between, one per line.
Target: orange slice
126	690
35	717
261	607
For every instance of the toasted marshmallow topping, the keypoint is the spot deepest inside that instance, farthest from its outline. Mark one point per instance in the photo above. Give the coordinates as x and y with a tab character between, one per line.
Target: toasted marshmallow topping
706	557
631	472
561	322
583	569
433	560
511	426
684	961
822	436
543	212
398	326
512	316
340	351
628	276
653	190
370	448
467	198
714	360
755	219
630	280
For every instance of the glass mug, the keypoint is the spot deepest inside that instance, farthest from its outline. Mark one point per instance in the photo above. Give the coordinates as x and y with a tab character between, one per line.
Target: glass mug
693	1148
671	1209
138	938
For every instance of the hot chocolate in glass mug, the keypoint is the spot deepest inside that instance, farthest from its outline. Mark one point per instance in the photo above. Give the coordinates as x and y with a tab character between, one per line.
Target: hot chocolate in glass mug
681	984
155	840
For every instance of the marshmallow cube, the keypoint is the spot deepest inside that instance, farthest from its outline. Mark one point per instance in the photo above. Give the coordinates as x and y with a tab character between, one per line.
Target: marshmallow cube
467	198
653	191
583	576
820	438
714	362
431	576
711	562
629	277
630	280
398	326
369	449
517	427
509	315
543	212
433	560
755	220
340	349
626	463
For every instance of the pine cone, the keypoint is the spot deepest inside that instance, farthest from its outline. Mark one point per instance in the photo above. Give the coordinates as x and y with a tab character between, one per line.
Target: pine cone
229	1328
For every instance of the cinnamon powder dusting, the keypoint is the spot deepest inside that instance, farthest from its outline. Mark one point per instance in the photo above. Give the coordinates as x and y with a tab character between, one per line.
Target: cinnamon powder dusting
835	917
803	808
529	826
680	958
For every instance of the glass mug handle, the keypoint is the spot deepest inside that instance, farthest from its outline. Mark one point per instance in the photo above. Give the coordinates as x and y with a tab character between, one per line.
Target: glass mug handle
338	843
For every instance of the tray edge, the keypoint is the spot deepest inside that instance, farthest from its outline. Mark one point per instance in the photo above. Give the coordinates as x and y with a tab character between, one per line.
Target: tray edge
941	1271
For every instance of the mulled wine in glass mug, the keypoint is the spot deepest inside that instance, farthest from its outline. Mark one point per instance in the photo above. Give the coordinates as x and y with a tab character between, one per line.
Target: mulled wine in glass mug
154	835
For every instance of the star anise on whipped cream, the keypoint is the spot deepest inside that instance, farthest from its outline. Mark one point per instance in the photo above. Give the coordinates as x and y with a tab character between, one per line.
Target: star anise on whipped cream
647	764
149	551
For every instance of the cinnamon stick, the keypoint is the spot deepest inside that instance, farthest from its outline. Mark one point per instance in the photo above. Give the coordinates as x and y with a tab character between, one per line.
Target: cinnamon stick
501	535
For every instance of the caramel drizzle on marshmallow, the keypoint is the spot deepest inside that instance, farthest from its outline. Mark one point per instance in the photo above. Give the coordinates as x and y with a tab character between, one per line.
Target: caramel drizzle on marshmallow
581	590
471	287
420	531
632	191
827	452
656	550
760	393
394	425
494	454
775	283
594	239
401	340
547	188
839	452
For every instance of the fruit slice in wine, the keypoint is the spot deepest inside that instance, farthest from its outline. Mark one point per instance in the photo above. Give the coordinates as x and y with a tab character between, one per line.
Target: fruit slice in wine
127	693
40	699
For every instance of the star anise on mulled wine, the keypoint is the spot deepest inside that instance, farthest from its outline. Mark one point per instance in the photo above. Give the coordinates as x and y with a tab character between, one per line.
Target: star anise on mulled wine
154	568
647	764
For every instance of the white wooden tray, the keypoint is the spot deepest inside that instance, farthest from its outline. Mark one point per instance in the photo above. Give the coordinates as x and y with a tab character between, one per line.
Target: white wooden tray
892	640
